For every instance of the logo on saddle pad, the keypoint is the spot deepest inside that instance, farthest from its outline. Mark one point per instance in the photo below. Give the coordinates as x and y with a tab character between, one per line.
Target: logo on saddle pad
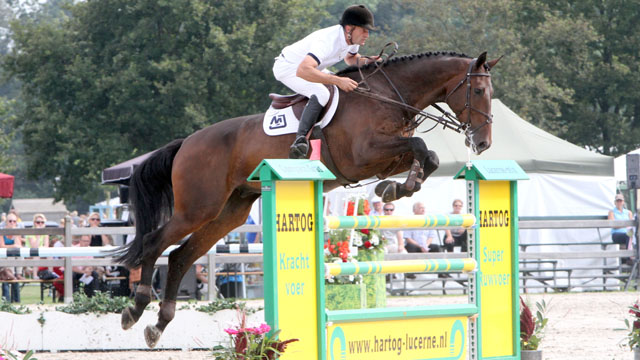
284	112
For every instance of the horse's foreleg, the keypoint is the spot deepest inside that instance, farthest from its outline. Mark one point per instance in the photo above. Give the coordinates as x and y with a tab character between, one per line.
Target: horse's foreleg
234	214
423	163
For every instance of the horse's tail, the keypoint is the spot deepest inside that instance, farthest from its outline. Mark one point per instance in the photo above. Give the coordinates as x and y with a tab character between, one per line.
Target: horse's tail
151	196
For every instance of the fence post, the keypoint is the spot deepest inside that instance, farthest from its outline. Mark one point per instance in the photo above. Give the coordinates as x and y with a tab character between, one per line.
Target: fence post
211	278
68	270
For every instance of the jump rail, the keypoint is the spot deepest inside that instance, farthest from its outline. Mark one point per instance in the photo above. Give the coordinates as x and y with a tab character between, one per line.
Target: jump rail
399	222
400	266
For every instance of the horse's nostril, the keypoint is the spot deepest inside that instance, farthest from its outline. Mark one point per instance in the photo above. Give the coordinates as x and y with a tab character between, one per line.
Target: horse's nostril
482	146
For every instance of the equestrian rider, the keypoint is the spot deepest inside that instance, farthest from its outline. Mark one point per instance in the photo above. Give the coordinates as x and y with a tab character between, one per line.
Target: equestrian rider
301	66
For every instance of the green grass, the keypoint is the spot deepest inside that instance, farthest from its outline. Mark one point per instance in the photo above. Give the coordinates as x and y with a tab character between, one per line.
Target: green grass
30	294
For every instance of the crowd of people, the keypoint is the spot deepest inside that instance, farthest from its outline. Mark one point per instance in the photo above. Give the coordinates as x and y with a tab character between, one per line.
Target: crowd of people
420	240
87	278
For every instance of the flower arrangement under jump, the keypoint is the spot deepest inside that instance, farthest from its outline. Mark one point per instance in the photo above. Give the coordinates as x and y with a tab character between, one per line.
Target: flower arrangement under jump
633	326
363	239
532	328
251	343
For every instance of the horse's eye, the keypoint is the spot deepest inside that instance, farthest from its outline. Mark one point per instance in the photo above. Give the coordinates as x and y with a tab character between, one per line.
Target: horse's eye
478	91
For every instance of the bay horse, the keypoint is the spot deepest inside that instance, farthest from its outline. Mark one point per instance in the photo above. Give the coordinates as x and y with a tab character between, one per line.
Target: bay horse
198	185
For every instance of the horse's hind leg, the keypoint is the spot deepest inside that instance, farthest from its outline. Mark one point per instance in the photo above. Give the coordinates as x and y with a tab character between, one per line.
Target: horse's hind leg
155	243
233	215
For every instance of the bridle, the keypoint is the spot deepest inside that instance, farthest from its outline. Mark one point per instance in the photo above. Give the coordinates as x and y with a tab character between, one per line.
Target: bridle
418	116
467	105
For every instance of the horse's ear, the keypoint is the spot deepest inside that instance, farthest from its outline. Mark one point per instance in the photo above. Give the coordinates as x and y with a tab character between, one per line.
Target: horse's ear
492	63
481	59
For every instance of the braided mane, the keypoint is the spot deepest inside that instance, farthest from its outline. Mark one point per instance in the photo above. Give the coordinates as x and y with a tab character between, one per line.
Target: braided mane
402	59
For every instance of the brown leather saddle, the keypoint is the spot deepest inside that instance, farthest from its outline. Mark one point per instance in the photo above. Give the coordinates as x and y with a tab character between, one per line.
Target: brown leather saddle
298	102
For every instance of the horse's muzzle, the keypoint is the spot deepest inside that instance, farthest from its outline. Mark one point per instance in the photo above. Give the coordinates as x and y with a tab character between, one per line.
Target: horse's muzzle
478	148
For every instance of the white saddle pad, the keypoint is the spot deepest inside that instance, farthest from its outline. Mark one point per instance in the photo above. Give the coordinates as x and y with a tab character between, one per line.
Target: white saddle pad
283	121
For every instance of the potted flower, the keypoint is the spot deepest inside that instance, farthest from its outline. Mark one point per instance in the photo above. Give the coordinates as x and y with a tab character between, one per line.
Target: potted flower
633	337
532	330
251	343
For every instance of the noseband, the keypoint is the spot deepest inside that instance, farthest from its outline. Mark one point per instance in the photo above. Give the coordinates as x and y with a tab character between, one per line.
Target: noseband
466	126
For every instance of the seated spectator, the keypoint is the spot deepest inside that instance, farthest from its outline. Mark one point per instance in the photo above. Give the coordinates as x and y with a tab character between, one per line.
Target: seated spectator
11	292
98	240
252	237
456	237
393	238
377	205
202	281
621	236
19	224
420	240
37	241
229	284
84	274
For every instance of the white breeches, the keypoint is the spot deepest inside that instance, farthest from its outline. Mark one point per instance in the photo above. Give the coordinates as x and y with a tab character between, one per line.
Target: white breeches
285	72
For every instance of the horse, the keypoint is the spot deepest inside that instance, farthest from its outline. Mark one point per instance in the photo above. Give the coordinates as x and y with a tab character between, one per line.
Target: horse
198	185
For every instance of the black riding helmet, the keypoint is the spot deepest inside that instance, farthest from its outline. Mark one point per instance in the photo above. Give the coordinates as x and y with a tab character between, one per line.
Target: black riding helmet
358	15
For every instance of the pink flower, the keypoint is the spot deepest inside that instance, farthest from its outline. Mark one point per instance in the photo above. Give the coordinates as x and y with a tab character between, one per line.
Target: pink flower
229	331
264	328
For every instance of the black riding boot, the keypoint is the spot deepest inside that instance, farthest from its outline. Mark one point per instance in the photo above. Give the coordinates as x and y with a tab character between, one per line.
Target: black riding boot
310	114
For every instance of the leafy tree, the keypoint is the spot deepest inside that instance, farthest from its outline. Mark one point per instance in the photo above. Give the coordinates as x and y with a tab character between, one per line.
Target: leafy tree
605	113
471	28
119	78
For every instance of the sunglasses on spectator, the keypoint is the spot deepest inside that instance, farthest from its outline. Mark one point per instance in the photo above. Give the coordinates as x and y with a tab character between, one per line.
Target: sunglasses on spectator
385	209
12	221
39	222
94	219
619	200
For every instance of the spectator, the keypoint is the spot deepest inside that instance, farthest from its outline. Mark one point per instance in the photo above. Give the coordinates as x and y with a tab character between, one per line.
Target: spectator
393	238
36	241
202	281
229	284
62	222
85	274
376	202
11	241
82	220
456	237
420	240
11	292
252	237
98	240
620	235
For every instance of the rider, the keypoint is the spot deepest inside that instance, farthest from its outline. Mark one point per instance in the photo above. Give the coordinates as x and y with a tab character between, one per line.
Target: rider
300	66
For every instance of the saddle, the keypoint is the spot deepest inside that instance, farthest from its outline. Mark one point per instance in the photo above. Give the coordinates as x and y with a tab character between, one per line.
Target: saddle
297	102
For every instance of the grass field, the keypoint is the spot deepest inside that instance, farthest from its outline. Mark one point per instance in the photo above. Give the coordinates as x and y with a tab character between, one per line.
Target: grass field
30	294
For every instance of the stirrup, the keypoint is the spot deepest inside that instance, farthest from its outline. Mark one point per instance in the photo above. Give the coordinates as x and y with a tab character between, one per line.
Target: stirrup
299	149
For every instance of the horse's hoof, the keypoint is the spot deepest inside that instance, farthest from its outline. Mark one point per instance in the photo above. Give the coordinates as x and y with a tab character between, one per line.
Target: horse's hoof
127	320
389	193
152	335
381	187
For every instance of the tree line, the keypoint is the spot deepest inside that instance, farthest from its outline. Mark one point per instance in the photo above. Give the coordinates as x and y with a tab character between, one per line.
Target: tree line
99	82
